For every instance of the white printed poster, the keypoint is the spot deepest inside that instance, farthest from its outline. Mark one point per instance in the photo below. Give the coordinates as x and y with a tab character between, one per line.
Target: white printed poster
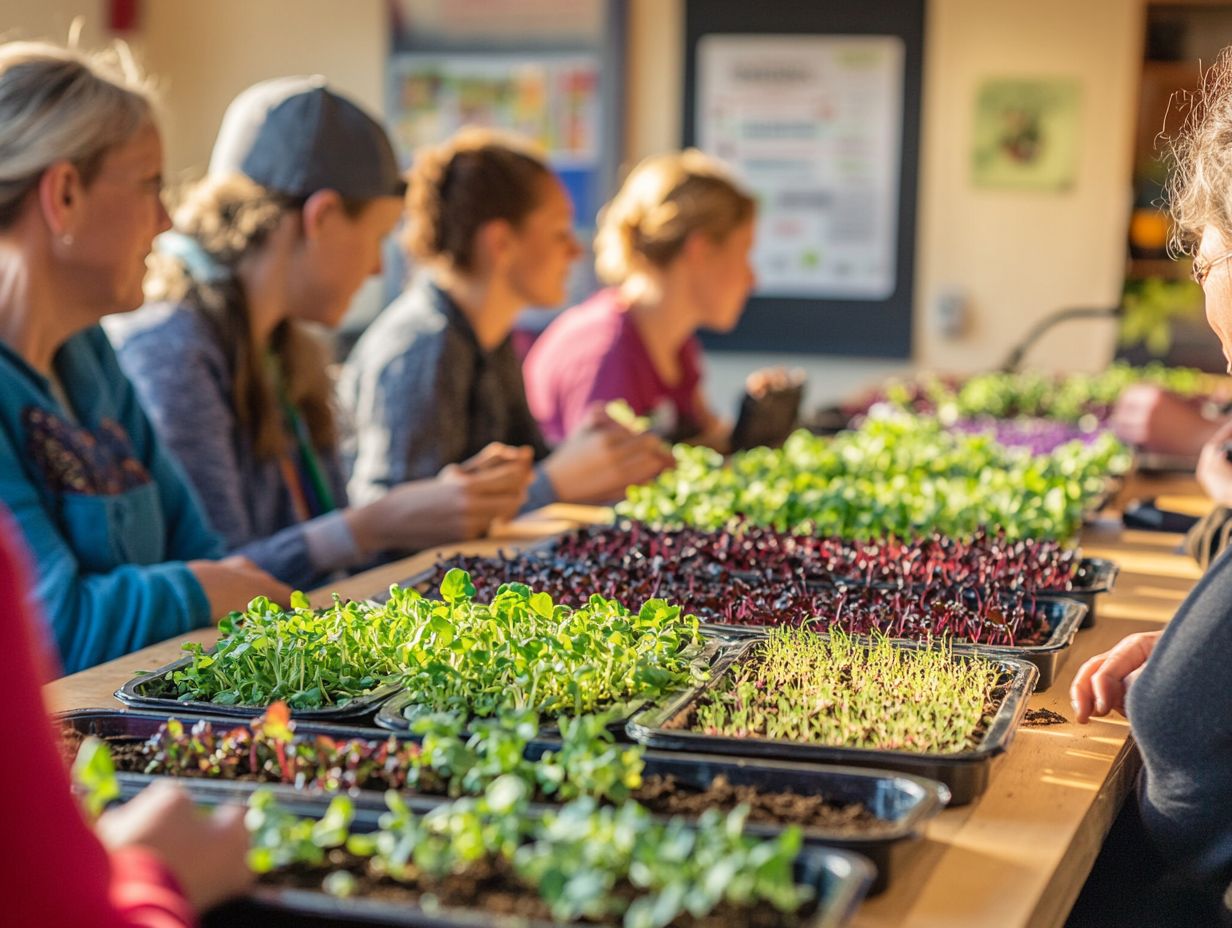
812	124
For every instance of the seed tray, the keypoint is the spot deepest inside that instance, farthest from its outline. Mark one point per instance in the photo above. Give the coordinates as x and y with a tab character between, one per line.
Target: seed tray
1064	617
1094	576
840	880
903	803
135	693
392	713
1065	613
965	773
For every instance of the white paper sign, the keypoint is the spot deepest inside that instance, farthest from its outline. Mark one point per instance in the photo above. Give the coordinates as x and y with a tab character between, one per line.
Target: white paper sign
812	124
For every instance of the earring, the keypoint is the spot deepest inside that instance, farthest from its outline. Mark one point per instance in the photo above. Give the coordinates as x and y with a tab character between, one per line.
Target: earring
66	239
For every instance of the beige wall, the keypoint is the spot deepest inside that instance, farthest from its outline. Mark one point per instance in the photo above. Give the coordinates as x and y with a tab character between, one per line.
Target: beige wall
204	53
1013	256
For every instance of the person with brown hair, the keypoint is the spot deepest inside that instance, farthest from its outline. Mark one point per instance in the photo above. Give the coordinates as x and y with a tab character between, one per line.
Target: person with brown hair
123	556
1169	858
435	379
303	186
673	245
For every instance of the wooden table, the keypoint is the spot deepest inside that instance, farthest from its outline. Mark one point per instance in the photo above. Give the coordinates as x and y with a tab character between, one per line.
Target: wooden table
1016	857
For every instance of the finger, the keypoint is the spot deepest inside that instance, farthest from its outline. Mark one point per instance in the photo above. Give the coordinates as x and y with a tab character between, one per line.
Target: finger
500	479
1107	683
1080	695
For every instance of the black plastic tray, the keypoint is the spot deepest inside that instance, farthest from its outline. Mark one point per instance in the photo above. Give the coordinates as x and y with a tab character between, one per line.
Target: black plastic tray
390	714
904	802
131	695
965	773
840	880
1095	576
1066	613
1064	616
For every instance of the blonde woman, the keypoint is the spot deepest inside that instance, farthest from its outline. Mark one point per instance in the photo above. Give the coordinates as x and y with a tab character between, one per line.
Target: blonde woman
435	378
674	246
303	187
116	544
121	551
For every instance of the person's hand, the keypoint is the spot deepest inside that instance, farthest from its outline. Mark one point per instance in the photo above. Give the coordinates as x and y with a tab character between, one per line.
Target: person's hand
1101	683
771	379
1214	471
230	583
205	850
1156	420
460	503
601	458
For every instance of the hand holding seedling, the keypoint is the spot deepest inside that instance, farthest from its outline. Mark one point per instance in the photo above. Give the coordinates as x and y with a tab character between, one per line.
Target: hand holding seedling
601	458
230	583
1101	683
205	850
1214	468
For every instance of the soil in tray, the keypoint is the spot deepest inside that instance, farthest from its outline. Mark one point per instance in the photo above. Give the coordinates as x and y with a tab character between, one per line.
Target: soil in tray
492	886
663	795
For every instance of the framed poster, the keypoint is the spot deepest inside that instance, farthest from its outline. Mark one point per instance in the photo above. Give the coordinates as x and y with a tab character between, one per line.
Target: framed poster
1025	135
816	107
811	124
551	99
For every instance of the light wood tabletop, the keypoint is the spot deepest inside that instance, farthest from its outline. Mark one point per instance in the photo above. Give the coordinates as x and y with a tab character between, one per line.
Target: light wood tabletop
1019	855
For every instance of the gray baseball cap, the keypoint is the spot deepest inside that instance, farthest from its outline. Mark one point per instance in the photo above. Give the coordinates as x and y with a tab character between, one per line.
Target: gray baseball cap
296	136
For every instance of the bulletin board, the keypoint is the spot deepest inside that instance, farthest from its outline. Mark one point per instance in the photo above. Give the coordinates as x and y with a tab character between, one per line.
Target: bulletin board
816	108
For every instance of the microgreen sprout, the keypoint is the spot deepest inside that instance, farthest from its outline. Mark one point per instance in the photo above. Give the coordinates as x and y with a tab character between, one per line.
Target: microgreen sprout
839	691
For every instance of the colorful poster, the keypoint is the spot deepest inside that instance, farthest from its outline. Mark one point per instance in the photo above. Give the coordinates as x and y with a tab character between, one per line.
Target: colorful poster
813	125
552	100
1026	134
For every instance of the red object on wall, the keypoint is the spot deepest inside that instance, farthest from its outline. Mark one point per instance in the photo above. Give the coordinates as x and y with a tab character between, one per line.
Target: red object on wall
122	15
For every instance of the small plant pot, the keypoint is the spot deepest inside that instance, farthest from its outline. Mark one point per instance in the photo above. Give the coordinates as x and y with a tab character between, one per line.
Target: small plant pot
965	773
901	804
136	693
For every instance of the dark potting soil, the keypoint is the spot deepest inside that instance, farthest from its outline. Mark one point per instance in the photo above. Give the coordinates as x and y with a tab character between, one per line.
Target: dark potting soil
492	886
1040	718
663	795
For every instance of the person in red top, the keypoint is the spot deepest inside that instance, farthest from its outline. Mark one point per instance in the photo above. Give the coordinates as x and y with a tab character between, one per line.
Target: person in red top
674	244
152	863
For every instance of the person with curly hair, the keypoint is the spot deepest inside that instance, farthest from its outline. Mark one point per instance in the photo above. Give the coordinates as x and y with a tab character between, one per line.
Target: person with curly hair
303	187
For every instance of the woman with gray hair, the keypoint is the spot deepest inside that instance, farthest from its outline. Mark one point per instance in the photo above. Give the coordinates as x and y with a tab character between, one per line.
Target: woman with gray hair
123	557
1169	859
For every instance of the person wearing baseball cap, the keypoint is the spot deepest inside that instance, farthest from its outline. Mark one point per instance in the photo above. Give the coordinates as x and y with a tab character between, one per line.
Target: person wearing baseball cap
303	186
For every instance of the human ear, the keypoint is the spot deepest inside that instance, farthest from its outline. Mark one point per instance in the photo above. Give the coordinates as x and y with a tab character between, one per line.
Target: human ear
495	244
319	210
59	197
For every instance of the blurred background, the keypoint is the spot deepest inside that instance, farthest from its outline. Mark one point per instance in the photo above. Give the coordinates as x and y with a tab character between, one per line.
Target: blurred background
985	164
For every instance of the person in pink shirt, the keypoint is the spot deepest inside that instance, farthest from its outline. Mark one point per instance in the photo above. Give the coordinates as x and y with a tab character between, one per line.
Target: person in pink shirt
674	245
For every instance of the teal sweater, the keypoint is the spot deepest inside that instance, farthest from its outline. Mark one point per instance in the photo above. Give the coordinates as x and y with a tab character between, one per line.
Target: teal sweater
107	515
